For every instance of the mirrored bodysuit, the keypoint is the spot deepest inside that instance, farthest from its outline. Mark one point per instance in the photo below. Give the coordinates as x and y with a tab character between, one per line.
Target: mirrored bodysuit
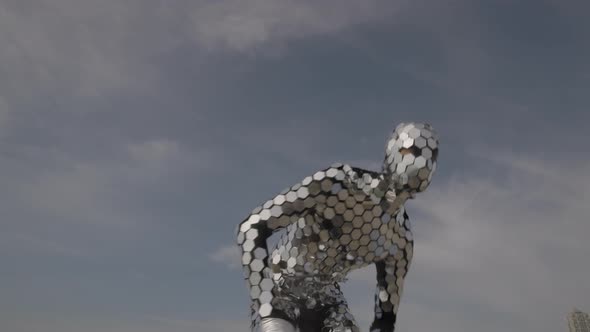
337	220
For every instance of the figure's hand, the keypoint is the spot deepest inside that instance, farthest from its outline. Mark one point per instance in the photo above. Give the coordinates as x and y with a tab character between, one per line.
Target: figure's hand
381	327
397	200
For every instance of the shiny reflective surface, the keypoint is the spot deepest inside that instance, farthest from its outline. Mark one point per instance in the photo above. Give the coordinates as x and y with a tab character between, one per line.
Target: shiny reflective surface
335	221
411	171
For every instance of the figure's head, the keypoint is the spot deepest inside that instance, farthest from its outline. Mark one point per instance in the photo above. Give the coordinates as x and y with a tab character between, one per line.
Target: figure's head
410	157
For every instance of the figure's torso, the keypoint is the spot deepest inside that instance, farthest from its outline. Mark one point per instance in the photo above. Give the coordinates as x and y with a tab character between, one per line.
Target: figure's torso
351	225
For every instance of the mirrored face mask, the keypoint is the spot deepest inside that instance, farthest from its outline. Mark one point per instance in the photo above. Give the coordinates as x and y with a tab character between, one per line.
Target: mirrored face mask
410	157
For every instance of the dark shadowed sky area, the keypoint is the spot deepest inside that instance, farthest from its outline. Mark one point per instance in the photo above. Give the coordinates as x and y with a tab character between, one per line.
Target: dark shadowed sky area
135	135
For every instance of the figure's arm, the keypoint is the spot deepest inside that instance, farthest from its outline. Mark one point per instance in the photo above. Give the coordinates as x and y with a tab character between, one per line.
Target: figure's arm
390	278
390	281
252	233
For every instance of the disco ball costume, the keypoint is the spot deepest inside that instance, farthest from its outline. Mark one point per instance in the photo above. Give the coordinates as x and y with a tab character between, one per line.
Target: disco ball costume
337	220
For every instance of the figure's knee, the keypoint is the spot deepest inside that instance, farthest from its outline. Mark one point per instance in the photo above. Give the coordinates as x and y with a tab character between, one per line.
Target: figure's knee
344	329
286	314
340	320
274	324
282	317
341	326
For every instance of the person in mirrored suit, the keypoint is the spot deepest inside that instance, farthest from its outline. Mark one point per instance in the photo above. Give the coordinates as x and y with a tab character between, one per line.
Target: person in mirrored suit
337	220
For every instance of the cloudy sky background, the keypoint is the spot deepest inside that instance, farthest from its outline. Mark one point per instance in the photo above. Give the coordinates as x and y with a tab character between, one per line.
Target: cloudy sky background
135	135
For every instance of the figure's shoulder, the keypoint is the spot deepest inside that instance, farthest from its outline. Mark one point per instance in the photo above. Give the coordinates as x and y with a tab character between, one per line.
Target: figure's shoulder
336	172
330	179
367	182
339	176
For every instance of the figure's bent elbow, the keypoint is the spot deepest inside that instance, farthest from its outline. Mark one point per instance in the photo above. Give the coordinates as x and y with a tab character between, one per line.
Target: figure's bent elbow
241	231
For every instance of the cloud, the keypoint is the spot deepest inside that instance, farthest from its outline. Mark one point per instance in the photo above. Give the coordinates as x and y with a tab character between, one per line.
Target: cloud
131	323
81	189
504	243
509	247
34	243
71	48
3	114
512	248
227	255
77	48
244	25
67	204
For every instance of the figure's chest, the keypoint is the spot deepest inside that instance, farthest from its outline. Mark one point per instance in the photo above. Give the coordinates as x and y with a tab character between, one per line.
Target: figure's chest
364	231
340	235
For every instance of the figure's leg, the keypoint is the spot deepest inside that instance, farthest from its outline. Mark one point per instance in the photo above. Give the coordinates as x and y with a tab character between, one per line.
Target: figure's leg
338	318
272	324
283	317
312	320
279	321
332	315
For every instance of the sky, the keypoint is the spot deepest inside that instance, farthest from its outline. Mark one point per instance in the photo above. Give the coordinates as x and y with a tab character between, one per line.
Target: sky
135	135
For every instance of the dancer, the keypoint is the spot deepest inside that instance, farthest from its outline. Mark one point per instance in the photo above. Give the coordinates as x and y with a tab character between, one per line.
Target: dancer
337	220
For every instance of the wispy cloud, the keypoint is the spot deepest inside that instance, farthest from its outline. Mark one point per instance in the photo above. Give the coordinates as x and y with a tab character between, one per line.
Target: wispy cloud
4	116
139	323
76	47
246	25
78	189
81	49
124	123
30	243
66	204
228	255
507	247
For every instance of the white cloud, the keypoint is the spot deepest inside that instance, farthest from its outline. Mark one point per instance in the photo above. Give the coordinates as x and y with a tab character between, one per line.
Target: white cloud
155	150
155	159
4	109
36	243
76	47
243	25
227	255
514	248
81	48
83	190
511	246
99	323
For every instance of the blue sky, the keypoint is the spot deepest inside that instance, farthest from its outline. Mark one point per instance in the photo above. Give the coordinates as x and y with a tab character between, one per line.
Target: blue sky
135	135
